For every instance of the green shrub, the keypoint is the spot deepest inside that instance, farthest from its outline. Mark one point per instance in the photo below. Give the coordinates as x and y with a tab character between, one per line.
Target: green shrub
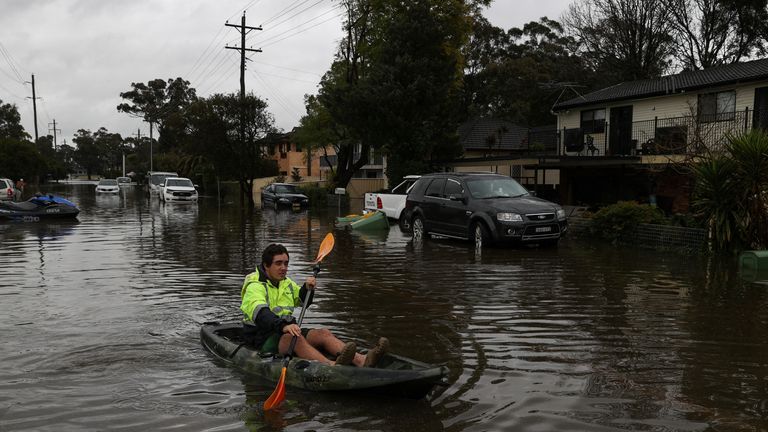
621	219
318	195
295	175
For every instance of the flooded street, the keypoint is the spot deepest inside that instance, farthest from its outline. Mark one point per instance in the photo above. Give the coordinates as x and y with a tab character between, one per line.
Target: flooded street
100	327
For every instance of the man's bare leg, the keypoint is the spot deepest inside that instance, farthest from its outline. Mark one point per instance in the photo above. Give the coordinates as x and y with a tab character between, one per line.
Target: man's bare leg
303	349
323	340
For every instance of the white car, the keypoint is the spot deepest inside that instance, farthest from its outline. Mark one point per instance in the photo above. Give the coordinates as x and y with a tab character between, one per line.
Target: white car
178	189
124	181
107	186
8	191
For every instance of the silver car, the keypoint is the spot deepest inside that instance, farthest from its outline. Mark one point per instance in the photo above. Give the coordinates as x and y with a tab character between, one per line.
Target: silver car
107	186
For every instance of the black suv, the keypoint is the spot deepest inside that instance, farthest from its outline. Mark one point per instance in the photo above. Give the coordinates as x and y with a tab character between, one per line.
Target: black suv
482	207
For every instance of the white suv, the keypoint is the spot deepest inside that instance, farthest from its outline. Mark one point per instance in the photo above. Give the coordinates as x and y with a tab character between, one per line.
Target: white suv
178	189
8	191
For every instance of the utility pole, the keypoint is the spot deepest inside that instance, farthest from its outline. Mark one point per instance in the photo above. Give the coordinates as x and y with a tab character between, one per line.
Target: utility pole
151	154
54	133
243	29
138	141
34	105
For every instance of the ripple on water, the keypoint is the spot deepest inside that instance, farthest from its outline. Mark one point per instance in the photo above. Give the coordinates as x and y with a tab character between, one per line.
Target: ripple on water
101	322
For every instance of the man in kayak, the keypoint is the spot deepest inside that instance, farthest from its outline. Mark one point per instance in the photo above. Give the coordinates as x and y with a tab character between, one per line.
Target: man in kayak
268	300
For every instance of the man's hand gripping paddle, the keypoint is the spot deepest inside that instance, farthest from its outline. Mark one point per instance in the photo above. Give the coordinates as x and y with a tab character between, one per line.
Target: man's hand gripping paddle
278	394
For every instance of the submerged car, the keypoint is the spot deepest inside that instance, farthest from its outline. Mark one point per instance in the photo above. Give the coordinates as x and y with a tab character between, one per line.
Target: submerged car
155	179
124	181
107	186
484	208
178	189
283	194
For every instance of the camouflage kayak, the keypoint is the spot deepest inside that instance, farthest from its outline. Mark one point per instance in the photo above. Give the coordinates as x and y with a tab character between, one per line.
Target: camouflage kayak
394	375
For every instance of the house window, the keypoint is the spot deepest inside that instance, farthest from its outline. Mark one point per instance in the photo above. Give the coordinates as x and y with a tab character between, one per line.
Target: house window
298	147
717	106
593	121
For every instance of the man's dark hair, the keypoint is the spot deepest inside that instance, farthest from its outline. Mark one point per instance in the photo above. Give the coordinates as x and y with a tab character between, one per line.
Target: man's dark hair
270	252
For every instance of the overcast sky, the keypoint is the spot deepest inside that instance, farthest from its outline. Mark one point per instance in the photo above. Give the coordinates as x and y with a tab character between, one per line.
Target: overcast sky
84	53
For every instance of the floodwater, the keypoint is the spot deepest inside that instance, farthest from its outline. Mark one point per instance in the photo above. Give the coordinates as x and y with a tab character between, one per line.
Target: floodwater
100	320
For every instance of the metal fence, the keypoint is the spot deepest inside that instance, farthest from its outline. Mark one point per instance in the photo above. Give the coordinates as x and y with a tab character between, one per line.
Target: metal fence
674	135
658	237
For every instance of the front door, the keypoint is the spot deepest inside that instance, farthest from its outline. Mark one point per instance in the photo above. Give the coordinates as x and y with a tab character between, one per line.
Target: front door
455	209
620	135
760	116
432	205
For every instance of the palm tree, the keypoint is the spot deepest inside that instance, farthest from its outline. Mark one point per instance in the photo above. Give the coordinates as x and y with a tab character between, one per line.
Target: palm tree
750	154
715	201
731	192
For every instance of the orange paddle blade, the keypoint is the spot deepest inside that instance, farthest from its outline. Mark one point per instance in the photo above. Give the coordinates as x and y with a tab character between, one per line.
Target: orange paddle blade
325	247
278	395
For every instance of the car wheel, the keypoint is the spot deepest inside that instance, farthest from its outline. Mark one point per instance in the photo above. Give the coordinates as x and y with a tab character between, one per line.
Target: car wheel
418	228
480	235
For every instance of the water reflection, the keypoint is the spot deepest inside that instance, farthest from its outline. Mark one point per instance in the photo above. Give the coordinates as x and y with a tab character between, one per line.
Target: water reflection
371	236
108	200
337	411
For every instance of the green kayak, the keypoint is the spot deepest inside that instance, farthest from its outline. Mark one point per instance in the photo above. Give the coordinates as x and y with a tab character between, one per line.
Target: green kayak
371	221
394	375
346	220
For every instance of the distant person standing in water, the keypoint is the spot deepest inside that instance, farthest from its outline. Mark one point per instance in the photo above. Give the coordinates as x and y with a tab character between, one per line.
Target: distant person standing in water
20	186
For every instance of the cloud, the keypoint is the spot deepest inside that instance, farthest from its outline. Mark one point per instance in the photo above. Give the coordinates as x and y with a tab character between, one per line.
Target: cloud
85	52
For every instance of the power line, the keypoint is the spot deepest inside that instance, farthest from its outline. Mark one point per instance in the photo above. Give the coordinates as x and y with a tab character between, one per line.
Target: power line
272	37
271	28
9	76
11	63
215	69
286	78
279	98
11	93
222	78
211	44
308	28
298	13
245	8
287	68
284	10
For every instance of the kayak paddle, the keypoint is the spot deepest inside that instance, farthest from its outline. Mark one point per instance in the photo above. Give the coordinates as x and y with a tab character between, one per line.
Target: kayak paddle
278	394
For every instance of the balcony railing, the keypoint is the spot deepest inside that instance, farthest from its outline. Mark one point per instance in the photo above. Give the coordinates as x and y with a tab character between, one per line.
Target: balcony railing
668	136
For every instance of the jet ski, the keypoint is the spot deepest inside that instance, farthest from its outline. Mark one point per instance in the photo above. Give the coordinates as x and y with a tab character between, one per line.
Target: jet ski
38	207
